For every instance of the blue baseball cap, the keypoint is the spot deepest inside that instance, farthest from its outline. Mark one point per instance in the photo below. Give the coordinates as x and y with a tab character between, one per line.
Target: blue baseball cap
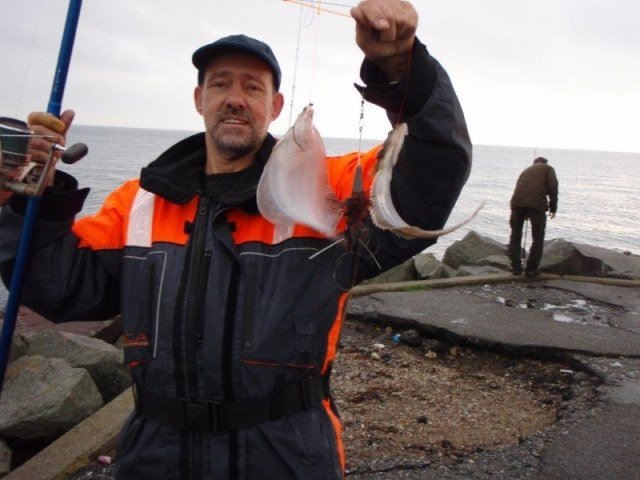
237	44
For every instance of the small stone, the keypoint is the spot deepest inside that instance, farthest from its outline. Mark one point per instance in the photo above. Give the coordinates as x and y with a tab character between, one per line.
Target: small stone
454	351
375	356
494	385
431	355
379	346
411	337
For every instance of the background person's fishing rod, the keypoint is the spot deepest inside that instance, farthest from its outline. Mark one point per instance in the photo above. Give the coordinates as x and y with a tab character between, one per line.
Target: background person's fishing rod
17	130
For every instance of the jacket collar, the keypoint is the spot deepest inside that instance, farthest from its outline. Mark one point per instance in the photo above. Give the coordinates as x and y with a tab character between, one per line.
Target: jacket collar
176	175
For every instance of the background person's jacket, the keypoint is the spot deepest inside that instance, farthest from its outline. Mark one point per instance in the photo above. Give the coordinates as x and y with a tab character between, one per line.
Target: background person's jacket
219	306
534	185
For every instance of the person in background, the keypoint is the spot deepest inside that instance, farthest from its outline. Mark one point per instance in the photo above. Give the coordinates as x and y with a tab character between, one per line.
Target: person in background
230	329
536	192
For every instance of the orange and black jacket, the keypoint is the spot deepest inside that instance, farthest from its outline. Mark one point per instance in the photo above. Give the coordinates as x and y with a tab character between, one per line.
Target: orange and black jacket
230	327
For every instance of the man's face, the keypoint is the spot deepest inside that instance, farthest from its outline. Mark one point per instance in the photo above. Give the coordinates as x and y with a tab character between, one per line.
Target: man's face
238	102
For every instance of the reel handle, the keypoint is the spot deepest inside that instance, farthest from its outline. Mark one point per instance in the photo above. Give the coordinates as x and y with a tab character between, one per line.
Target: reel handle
72	154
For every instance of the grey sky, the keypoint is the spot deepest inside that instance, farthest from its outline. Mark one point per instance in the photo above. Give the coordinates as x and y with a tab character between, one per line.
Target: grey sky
550	73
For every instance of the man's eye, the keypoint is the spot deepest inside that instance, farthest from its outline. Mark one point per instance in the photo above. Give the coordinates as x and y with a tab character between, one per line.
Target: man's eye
217	84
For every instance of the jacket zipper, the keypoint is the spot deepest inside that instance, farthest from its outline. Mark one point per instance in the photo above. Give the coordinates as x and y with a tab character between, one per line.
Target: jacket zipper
227	360
201	292
194	309
195	297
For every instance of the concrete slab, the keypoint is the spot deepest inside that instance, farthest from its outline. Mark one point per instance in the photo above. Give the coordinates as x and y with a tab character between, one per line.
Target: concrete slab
606	446
614	295
484	322
625	298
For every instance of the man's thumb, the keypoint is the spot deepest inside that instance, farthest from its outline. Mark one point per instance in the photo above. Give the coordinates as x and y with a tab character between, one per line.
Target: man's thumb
67	118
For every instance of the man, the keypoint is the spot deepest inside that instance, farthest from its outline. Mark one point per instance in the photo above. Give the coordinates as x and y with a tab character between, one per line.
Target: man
230	329
536	192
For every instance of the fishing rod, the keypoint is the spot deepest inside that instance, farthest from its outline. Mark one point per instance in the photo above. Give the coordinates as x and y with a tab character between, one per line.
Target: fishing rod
523	250
17	130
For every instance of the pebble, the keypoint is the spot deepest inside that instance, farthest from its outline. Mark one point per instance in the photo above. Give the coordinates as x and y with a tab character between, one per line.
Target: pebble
431	355
412	338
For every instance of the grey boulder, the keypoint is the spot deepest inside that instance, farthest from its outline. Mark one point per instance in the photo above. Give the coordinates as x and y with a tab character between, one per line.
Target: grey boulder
44	397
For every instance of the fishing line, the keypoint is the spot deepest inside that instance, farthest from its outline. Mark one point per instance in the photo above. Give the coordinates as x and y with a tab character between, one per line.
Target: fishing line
306	22
26	70
295	67
333	4
313	4
315	55
360	128
405	95
371	254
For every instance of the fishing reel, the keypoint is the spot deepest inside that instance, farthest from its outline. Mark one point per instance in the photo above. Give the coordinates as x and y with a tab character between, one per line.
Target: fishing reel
18	174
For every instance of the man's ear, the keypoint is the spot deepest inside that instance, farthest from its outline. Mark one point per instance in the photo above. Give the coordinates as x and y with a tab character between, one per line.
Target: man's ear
197	98
278	103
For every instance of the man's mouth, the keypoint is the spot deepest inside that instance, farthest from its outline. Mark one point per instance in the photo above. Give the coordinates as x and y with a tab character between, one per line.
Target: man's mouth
234	121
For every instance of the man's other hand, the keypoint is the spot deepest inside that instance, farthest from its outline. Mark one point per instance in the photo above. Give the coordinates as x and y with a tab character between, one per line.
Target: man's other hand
385	32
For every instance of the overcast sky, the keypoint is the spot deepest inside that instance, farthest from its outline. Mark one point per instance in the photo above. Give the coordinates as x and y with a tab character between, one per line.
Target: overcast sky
549	73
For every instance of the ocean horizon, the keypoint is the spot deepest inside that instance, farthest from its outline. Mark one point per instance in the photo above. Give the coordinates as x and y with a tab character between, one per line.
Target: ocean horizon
598	192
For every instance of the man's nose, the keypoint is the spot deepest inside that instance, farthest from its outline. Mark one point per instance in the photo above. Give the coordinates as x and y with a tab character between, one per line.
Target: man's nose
235	98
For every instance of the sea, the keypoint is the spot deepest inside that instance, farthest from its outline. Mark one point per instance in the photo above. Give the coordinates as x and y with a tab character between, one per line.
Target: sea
598	201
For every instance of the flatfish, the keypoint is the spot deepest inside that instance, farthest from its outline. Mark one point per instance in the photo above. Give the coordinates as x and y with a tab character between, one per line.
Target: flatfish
294	186
383	213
